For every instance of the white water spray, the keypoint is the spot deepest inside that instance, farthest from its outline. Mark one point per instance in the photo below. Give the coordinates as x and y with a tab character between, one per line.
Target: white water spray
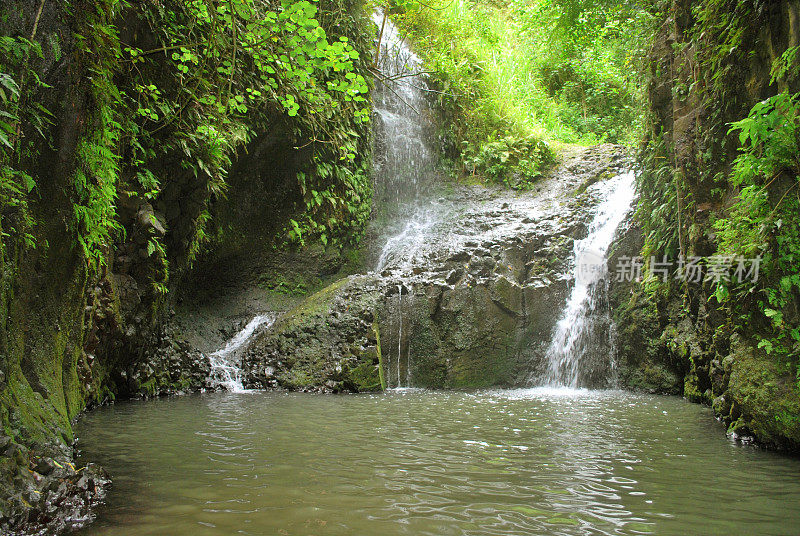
571	337
225	368
405	162
400	329
405	175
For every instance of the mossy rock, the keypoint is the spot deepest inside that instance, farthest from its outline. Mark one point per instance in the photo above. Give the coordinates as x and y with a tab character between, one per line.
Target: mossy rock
765	399
652	378
366	375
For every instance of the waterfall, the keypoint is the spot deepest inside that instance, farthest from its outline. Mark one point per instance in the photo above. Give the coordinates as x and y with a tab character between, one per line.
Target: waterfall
408	354
405	162
399	330
225	368
575	336
402	249
405	175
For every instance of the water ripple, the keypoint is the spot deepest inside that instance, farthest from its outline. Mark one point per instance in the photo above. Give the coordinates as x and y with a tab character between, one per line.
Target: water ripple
534	461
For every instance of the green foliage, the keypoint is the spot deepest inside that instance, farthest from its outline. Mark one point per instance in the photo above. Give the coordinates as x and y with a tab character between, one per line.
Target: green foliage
164	96
232	56
337	202
494	159
473	77
553	70
786	66
724	31
710	190
96	177
19	113
763	222
711	64
589	59
290	285
658	209
239	67
195	83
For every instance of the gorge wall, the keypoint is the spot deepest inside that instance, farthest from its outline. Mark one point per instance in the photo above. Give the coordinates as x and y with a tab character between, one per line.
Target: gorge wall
710	63
139	148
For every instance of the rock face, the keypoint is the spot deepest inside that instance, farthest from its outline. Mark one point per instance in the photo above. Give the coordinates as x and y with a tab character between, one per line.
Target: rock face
710	63
96	243
50	497
644	362
471	302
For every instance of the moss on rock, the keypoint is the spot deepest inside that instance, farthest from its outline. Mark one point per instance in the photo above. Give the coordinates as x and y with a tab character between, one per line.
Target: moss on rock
764	403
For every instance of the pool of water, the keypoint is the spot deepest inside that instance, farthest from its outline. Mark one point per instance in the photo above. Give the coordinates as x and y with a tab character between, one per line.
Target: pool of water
416	462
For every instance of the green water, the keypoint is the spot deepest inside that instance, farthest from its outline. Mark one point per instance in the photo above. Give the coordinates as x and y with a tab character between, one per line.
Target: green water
420	462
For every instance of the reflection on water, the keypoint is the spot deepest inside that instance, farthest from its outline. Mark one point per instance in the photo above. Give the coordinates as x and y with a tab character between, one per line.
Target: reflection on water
412	462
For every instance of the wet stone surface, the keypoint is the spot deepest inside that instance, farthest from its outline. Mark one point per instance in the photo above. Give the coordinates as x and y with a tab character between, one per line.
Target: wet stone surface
47	492
467	298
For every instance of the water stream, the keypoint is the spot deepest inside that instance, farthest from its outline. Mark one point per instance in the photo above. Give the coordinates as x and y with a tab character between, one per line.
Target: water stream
574	340
405	176
226	370
405	165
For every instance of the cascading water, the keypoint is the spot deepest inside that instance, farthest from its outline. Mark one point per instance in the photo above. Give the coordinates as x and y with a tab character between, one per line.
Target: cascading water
399	366
409	364
404	176
401	250
405	163
575	335
400	330
225	370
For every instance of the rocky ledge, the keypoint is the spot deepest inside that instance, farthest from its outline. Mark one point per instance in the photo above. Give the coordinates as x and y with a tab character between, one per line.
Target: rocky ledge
47	493
468	297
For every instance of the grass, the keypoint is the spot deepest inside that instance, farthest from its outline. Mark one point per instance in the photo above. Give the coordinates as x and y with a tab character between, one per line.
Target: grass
528	70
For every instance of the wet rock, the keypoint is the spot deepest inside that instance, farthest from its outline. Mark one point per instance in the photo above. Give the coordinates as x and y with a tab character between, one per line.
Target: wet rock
45	466
51	497
474	307
150	219
460	256
454	276
507	295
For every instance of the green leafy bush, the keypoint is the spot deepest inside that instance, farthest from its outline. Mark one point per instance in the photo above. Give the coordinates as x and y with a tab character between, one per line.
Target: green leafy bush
763	222
551	70
239	67
515	161
174	92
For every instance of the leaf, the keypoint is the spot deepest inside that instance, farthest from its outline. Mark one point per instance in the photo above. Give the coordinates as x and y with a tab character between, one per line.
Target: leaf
766	345
28	182
4	140
10	84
